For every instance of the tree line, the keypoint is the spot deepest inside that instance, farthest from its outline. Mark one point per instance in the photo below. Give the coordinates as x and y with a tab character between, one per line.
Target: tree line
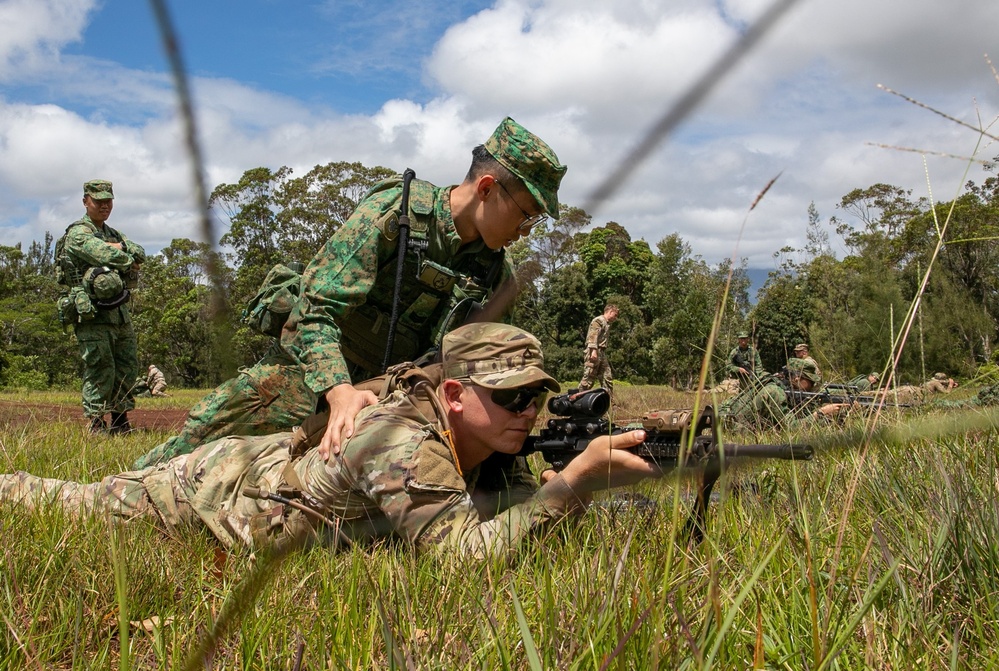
849	307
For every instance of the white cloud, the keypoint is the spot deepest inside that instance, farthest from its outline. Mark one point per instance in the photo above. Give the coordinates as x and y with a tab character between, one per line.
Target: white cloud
589	76
35	30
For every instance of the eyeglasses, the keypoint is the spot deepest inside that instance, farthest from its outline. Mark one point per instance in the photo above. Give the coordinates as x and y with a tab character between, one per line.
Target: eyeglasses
519	399
529	221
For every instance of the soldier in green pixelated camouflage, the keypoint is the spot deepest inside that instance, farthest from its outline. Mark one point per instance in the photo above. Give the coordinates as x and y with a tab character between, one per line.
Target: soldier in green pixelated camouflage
337	333
865	382
436	468
98	266
768	402
744	362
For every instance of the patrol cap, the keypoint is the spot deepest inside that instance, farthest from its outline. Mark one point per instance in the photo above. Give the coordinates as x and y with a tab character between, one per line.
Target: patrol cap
940	376
528	157
742	334
495	356
800	347
875	375
98	189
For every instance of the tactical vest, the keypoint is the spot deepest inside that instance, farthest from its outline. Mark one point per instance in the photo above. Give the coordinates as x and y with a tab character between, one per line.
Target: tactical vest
434	298
66	270
78	303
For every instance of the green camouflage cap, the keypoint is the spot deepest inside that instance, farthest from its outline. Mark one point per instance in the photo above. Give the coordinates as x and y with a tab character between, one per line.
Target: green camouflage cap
875	375
98	189
742	334
528	157
495	356
804	368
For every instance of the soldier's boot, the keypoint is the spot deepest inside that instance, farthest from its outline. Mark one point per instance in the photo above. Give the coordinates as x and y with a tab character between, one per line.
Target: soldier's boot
97	425
119	423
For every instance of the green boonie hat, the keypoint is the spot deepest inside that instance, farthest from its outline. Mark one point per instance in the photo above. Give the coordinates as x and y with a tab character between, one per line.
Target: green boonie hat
528	157
800	346
495	356
98	189
742	334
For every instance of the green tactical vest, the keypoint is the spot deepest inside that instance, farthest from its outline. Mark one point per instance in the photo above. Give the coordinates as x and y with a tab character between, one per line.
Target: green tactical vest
434	298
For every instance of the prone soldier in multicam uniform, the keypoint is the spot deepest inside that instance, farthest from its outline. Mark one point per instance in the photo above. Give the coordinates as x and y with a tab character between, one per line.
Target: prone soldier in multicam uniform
99	265
337	331
434	467
595	363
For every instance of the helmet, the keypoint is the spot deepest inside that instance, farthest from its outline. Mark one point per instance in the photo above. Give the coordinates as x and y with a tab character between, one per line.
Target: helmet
104	286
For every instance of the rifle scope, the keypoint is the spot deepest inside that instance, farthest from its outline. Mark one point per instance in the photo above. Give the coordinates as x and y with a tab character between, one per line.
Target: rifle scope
575	403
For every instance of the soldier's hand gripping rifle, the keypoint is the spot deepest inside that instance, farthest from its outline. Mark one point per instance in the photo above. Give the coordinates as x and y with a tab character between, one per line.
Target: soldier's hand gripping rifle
674	440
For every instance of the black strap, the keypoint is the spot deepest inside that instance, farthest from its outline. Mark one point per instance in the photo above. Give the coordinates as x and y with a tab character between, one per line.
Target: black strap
407	177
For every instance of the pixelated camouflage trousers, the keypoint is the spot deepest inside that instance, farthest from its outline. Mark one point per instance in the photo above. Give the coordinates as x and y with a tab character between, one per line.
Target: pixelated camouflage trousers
110	366
268	397
202	487
597	370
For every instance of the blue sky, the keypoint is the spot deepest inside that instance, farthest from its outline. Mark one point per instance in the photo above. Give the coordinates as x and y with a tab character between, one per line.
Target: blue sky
85	91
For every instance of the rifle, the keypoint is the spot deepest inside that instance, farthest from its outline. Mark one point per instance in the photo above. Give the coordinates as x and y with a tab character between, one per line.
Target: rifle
801	398
674	440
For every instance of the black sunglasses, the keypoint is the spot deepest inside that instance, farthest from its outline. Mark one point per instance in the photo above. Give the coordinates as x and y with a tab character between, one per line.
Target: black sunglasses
518	399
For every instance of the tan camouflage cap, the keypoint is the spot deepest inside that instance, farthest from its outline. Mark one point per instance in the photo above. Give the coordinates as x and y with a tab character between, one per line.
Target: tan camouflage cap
799	347
98	189
940	376
528	157
495	356
742	334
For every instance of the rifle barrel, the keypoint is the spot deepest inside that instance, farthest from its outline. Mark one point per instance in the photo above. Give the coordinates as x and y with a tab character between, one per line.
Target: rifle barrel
796	451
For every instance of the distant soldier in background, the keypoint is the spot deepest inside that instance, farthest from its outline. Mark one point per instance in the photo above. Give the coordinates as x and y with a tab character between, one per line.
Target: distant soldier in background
915	394
865	382
801	352
595	363
99	265
940	383
155	381
744	362
768	403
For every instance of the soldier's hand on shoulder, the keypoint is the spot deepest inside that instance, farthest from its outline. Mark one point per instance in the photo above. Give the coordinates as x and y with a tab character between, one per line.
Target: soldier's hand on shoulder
345	402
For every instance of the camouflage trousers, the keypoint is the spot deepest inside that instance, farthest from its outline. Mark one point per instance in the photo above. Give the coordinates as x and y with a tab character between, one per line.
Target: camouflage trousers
594	370
268	397
204	486
110	366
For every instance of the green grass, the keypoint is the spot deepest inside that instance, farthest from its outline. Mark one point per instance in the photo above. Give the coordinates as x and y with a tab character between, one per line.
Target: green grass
883	557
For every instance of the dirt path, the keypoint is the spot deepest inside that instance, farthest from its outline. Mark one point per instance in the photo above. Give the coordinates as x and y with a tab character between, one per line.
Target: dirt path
17	414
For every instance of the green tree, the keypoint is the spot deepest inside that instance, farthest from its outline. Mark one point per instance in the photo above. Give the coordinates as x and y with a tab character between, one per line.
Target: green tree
173	318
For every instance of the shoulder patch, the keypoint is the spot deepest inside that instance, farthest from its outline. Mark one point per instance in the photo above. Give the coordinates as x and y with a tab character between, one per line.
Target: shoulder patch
434	469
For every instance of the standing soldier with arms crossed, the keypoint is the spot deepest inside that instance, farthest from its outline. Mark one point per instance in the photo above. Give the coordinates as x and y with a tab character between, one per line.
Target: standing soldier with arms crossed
100	265
595	363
